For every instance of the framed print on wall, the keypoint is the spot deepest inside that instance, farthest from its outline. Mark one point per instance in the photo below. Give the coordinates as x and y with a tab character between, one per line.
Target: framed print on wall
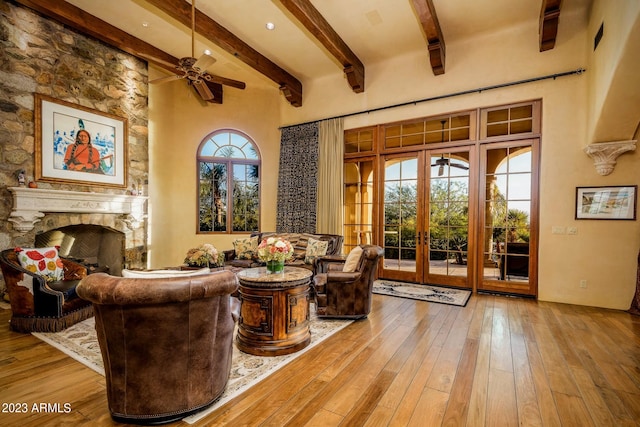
76	144
616	202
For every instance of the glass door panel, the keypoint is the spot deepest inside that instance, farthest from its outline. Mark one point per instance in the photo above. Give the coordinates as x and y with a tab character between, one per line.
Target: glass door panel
400	225
510	214
448	219
358	204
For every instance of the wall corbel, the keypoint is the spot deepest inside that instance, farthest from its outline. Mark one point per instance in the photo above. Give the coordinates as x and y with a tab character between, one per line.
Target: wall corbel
604	154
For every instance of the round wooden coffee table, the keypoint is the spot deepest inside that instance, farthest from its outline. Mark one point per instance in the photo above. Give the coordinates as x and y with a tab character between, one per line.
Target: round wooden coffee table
274	311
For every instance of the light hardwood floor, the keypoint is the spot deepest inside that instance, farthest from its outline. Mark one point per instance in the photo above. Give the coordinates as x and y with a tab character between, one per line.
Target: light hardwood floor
499	361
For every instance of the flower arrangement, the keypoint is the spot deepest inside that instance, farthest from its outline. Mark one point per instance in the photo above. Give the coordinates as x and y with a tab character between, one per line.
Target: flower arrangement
274	249
204	256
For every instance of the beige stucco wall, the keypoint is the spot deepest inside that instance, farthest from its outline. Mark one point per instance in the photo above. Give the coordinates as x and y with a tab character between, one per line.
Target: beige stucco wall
178	123
602	252
614	88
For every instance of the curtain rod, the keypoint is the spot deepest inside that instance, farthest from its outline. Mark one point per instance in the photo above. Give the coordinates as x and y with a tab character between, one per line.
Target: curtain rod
449	95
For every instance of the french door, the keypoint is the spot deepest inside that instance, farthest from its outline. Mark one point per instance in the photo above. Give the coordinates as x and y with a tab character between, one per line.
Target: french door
426	216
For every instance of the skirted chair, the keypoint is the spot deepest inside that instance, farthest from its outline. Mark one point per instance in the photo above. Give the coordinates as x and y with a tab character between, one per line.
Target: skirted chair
343	288
166	342
39	303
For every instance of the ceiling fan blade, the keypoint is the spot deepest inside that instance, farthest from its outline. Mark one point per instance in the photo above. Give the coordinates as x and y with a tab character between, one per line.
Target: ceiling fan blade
216	90
204	62
166	79
459	166
203	90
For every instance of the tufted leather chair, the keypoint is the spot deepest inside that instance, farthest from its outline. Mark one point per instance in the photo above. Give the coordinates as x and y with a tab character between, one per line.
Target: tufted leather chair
346	294
166	342
41	306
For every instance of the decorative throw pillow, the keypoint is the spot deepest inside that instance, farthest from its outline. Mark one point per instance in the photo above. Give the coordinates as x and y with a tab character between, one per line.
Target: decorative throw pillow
352	260
160	274
315	248
246	248
42	261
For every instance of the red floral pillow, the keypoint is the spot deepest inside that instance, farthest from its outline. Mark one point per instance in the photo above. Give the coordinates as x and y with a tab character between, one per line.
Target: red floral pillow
42	261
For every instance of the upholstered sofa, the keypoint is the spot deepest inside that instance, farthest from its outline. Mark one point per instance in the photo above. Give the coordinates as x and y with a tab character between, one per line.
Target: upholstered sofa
166	341
39	304
300	241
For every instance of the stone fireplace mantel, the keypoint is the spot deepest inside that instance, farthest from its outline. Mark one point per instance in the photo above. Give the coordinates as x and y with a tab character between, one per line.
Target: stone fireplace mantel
31	204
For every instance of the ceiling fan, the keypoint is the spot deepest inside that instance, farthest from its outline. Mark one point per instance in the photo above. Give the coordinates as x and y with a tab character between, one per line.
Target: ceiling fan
193	70
442	162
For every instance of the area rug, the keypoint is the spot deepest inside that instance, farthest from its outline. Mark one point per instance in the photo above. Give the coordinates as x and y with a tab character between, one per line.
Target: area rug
79	342
430	293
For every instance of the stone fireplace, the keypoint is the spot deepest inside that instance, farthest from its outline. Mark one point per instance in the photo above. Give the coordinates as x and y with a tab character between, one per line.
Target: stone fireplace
106	232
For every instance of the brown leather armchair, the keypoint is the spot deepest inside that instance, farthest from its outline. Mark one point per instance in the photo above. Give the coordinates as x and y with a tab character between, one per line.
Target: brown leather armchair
346	294
41	306
166	342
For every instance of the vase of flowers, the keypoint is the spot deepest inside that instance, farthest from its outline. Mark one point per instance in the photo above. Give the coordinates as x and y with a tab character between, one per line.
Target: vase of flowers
274	251
204	256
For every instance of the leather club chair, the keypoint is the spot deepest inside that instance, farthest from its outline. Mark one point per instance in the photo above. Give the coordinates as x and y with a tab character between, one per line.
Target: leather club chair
41	306
166	342
346	294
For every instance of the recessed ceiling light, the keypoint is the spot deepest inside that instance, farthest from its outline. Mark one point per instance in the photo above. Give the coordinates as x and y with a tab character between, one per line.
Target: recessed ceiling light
145	24
207	52
270	26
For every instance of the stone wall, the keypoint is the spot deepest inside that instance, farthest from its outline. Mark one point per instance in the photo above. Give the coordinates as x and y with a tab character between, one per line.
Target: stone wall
38	55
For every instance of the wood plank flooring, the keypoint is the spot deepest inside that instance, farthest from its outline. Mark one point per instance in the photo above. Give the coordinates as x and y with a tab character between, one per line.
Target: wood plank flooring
499	361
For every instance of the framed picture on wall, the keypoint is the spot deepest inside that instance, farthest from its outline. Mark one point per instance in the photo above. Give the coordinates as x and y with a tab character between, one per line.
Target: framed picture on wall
616	202
76	144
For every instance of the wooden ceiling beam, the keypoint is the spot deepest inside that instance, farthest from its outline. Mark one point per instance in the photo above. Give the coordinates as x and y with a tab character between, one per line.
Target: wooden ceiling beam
318	26
85	23
431	28
549	19
180	10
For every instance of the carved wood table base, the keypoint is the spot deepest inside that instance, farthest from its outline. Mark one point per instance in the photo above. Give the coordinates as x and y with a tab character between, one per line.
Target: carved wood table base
274	311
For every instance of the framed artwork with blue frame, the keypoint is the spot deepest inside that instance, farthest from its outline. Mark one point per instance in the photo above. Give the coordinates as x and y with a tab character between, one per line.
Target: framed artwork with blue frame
79	145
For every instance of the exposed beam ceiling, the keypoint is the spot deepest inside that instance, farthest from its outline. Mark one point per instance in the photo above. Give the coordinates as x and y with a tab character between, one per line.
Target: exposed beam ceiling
180	10
549	18
431	28
318	26
377	30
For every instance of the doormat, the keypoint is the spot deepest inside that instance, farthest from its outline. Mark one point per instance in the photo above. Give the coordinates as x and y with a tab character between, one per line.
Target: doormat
429	293
80	342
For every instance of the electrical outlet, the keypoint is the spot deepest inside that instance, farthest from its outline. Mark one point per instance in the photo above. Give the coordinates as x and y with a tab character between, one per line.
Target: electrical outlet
583	283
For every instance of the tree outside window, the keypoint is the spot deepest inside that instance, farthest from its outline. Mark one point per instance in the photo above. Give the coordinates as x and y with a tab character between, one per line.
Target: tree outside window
228	183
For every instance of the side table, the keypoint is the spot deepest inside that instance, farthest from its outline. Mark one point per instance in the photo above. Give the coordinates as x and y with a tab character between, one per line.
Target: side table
274	311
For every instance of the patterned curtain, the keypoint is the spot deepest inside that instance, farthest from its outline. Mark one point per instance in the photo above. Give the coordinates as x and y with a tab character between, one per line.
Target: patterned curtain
298	179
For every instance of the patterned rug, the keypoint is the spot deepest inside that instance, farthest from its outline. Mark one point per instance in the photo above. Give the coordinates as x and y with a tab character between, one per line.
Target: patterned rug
80	342
430	293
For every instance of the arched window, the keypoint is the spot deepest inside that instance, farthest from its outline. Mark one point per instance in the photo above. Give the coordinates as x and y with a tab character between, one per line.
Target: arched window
228	183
